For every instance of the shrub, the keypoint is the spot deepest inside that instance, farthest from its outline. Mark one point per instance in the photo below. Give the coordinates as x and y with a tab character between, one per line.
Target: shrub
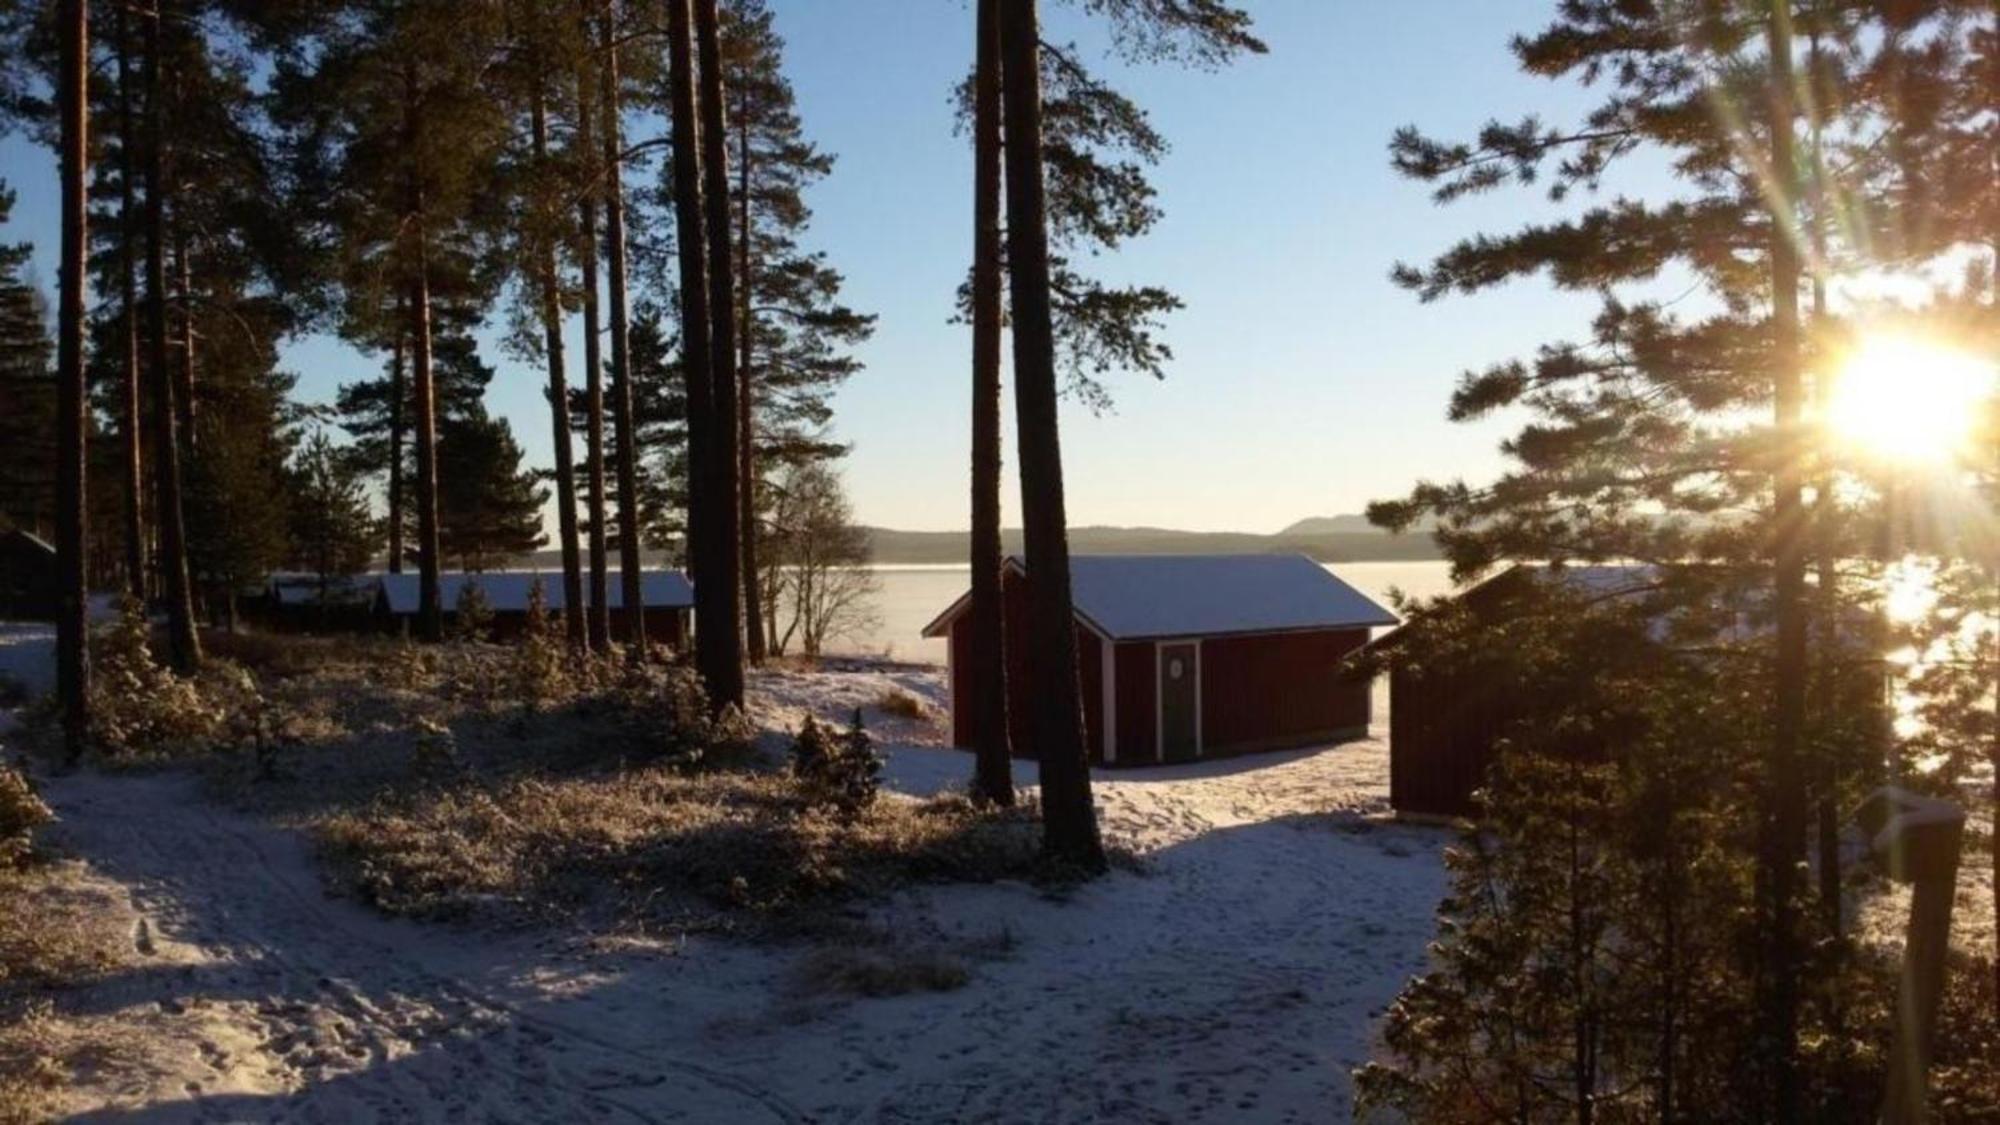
472	616
436	758
21	812
836	770
666	715
902	704
541	671
139	708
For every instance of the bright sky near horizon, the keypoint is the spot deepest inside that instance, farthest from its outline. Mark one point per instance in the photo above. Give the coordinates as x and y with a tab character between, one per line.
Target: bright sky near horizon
1304	383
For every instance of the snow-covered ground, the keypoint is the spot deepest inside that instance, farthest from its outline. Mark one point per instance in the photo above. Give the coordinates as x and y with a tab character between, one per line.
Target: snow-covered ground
1234	977
28	655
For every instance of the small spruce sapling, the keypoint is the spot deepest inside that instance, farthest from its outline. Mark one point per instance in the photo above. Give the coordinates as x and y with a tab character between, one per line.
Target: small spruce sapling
837	770
540	672
472	615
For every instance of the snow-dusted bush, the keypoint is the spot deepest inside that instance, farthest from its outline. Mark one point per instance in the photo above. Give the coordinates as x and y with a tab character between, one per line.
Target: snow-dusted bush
139	709
541	667
21	813
472	616
836	770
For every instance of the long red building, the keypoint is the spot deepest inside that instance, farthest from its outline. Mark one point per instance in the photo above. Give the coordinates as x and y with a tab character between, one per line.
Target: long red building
1188	656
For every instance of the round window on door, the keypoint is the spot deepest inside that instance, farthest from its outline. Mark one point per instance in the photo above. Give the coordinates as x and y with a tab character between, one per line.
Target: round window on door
1175	668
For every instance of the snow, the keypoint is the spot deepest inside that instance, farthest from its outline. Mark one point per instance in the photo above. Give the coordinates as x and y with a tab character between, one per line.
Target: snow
1238	974
28	655
507	590
1130	597
1234	976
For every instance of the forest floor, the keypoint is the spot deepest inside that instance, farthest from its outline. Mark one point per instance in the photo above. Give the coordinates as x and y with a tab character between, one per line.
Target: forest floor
1233	973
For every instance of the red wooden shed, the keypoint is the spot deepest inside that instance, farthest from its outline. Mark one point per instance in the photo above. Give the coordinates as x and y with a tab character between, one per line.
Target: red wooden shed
1445	721
1188	656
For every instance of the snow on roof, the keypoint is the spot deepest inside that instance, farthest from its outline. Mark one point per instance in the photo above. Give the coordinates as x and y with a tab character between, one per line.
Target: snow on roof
507	590
304	589
32	540
1131	597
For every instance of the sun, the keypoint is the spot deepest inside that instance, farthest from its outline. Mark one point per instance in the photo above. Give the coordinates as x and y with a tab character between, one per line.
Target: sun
1903	398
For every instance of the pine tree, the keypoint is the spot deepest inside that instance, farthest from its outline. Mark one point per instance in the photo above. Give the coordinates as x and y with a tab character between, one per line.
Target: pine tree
611	131
719	651
377	415
489	506
183	644
586	158
238	506
1068	816
333	533
1639	444
28	384
72	423
1097	144
393	131
544	222
792	331
993	747
1587	963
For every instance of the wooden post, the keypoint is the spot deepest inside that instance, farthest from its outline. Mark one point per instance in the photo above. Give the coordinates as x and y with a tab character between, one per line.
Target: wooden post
1917	840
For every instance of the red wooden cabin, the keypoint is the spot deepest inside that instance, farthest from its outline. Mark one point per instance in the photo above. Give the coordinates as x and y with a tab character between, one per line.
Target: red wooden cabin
667	594
1188	656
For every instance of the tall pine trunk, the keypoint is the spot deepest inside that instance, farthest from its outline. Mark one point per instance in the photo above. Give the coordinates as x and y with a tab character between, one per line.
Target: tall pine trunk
565	483
621	359
131	446
184	370
993	768
1783	827
183	642
720	654
1826	702
697	356
1069	820
72	528
1993	303
593	376
430	608
399	397
746	427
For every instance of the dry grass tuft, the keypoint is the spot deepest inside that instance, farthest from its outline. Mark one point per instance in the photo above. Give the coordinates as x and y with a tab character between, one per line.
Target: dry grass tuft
660	847
877	971
903	705
48	941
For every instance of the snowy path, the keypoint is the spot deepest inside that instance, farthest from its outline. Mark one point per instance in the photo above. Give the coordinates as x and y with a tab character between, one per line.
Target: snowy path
1235	979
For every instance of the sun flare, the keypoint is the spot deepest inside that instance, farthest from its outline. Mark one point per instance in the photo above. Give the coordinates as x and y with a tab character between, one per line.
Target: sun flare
1906	399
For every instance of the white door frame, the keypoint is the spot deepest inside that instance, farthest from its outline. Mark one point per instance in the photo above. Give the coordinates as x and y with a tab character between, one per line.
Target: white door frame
1160	696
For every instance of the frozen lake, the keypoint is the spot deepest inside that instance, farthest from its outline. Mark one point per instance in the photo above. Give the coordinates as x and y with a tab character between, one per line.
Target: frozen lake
912	595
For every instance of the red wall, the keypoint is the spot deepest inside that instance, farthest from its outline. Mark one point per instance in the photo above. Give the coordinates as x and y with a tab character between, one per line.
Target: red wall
1264	691
1020	691
1276	689
1138	681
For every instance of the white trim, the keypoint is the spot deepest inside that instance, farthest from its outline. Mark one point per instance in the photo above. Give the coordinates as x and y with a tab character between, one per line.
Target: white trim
1160	697
951	683
1109	664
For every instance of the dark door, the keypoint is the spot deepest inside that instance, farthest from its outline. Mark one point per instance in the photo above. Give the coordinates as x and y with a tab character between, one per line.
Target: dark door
1179	710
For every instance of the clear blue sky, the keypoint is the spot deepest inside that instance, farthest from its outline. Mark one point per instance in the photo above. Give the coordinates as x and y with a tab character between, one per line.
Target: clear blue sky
1304	383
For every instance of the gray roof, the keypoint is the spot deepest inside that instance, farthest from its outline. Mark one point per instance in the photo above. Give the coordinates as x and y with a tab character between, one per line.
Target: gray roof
304	589
507	590
1134	597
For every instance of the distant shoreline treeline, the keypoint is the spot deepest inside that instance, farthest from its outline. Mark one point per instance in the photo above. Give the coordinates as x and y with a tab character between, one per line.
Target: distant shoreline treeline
1336	539
890	546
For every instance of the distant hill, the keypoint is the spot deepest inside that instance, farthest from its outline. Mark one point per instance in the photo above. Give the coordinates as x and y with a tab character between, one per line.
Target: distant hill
1326	538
